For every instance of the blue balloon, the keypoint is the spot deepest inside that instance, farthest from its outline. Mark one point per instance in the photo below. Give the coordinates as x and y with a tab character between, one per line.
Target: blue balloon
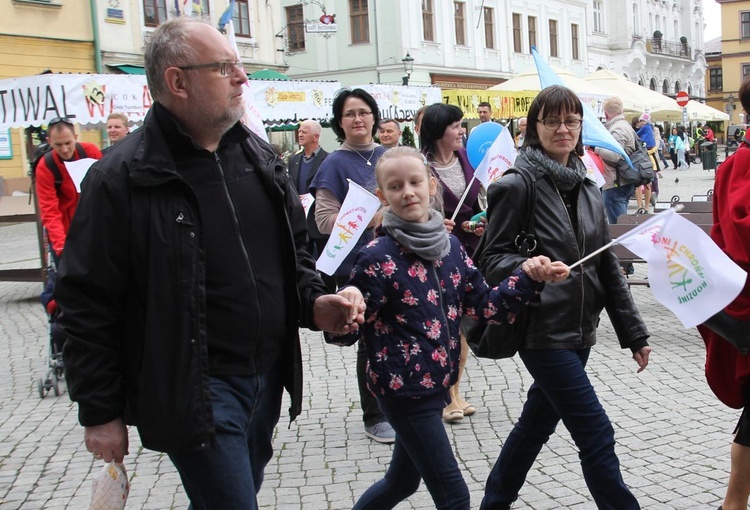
480	140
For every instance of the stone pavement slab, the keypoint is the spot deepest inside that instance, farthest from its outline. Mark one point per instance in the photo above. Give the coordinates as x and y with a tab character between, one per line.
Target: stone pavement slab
673	436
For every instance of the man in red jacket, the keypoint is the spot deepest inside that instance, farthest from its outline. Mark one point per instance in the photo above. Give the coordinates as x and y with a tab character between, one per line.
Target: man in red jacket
58	200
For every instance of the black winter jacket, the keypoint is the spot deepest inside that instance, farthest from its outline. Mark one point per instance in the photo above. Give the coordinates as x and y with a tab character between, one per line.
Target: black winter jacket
566	314
131	289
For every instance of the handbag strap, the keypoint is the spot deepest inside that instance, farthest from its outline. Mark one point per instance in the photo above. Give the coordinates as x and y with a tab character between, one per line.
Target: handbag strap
526	240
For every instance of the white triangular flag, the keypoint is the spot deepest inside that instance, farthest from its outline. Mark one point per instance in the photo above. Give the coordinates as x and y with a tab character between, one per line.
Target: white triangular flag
355	214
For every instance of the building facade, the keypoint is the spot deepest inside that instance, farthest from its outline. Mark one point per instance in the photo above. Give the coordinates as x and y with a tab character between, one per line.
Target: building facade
730	63
655	43
38	36
476	44
124	25
60	36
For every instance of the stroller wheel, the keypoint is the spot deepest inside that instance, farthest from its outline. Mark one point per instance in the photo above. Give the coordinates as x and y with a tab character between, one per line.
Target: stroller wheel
55	384
40	387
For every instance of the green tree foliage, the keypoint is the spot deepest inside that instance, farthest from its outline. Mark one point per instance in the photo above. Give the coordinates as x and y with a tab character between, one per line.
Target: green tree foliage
407	137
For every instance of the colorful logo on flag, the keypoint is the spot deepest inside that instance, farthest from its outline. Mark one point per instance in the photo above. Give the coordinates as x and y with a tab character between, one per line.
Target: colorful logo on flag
349	225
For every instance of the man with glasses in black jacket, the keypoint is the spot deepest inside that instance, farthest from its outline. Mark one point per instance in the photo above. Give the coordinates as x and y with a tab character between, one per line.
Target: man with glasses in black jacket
186	280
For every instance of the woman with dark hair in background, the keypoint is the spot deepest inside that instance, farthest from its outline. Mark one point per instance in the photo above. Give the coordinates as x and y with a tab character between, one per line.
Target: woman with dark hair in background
355	122
561	323
441	139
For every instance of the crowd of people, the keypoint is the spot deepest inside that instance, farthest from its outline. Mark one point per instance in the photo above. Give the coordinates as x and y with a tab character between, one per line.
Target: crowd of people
163	259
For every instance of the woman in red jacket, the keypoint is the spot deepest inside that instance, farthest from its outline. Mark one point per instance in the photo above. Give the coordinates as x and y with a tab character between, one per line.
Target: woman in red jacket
727	369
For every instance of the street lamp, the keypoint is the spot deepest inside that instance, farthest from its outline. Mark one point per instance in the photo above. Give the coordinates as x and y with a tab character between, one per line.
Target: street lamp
729	107
408	62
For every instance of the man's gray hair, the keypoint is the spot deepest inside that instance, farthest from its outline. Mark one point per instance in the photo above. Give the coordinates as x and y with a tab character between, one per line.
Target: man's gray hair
314	126
613	106
389	121
167	47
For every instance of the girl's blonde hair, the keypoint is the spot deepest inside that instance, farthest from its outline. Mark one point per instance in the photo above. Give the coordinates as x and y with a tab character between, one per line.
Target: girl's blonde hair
410	152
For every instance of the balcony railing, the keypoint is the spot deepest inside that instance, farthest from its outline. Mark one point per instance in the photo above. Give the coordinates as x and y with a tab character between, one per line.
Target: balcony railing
674	49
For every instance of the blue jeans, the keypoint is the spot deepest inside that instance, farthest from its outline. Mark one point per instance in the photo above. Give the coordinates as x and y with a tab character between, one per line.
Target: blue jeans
561	390
421	451
228	475
616	201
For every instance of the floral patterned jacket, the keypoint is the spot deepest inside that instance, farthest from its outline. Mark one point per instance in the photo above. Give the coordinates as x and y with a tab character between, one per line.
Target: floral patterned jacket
414	309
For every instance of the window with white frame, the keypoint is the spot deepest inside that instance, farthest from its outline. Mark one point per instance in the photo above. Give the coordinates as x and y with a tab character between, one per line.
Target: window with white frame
599	16
574	41
517	33
532	32
459	14
428	21
359	18
489	28
553	52
154	12
295	28
241	19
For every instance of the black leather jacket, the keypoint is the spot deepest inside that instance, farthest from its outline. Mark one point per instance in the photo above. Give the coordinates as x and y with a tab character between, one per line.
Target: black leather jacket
565	315
132	292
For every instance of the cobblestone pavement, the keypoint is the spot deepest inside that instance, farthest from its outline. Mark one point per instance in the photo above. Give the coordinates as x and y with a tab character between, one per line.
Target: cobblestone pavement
673	435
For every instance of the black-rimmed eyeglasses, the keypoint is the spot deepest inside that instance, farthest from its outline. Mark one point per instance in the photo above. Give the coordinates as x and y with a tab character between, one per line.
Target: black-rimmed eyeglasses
225	68
554	124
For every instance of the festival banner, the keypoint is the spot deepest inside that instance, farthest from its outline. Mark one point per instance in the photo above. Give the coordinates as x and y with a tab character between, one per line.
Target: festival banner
355	214
498	158
687	272
505	104
399	102
283	101
83	98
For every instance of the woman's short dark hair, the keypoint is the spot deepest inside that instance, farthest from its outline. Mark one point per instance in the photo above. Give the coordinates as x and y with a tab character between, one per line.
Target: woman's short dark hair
338	110
744	94
553	101
436	119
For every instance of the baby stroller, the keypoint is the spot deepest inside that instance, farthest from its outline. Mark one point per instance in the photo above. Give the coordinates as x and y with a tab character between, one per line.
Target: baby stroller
55	366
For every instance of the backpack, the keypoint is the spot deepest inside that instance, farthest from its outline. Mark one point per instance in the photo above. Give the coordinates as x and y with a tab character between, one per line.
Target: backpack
44	151
642	171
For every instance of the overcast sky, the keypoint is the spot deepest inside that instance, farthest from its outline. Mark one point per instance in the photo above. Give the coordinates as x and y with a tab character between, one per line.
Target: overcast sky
712	18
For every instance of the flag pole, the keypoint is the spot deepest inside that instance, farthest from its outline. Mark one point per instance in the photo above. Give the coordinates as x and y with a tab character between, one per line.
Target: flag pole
463	197
656	217
590	255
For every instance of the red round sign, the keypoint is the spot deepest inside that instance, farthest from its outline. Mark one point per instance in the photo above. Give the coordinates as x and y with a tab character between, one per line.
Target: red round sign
682	98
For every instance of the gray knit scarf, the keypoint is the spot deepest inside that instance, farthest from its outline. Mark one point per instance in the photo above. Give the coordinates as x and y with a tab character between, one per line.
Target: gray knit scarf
429	240
566	177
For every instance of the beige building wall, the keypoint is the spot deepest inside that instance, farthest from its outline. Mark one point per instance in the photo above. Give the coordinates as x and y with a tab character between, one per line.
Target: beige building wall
36	36
735	54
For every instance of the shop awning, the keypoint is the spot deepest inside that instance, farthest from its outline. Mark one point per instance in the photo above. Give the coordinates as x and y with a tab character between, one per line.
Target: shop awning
267	74
128	68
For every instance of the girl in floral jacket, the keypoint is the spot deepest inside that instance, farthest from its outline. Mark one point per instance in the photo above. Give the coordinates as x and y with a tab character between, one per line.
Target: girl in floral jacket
417	281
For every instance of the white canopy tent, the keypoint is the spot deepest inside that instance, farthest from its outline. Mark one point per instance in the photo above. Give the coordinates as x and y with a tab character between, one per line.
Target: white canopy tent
635	98
696	111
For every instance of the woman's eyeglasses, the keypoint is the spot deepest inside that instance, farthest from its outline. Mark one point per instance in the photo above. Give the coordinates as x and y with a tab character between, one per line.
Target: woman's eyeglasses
353	115
554	124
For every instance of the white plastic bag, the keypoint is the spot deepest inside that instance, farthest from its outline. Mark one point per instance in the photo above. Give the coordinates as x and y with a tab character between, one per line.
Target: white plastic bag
111	488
